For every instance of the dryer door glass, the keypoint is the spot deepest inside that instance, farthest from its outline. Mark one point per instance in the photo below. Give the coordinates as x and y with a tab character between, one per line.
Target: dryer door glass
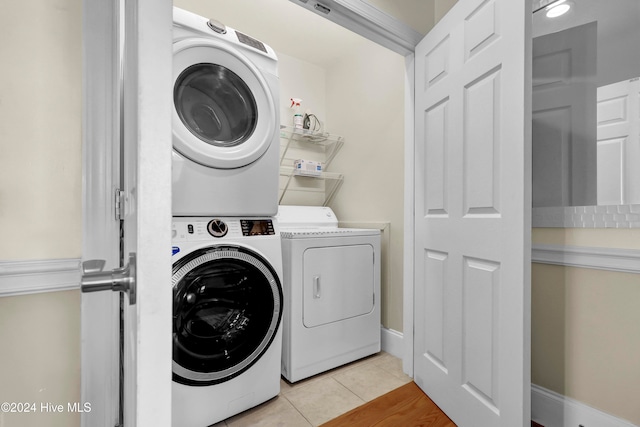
215	105
226	310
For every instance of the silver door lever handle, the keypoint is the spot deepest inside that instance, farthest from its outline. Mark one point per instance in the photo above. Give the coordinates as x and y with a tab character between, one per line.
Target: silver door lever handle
121	279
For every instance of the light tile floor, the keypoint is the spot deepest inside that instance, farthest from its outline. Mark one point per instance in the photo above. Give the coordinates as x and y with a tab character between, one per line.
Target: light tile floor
318	399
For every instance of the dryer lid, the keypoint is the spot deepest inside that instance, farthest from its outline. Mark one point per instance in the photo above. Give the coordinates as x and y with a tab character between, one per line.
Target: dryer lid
299	222
306	217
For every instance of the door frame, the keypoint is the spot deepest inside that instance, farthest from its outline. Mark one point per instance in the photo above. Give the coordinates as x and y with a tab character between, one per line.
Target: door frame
101	111
368	21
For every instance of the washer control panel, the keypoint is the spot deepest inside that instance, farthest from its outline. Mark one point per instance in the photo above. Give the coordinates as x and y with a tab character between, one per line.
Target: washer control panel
193	229
257	227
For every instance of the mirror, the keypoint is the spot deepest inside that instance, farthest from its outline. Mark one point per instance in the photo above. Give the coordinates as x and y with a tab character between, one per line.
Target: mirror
586	112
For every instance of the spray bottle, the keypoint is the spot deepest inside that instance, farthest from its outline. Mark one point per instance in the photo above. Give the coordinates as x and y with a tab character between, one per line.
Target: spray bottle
298	117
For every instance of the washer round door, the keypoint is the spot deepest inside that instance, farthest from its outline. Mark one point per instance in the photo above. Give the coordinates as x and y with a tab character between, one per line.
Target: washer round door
224	114
227	307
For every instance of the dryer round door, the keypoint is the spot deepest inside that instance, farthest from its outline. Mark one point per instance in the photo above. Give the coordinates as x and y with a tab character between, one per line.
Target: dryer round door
227	307
224	114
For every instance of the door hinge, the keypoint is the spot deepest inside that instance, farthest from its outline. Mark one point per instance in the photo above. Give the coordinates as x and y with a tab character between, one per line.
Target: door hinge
119	204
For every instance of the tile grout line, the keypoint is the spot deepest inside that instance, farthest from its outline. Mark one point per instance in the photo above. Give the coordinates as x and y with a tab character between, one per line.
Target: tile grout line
298	410
328	377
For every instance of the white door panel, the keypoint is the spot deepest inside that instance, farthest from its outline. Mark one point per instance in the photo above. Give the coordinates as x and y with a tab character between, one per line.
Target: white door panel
145	169
147	219
472	213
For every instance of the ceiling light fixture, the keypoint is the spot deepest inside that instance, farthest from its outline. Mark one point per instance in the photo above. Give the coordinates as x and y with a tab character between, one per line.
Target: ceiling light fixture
558	8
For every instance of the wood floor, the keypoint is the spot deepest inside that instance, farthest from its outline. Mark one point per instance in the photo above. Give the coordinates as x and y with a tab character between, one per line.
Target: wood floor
406	406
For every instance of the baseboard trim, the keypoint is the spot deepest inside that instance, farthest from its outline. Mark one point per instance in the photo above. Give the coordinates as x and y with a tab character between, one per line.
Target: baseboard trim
555	410
612	259
35	276
391	342
548	408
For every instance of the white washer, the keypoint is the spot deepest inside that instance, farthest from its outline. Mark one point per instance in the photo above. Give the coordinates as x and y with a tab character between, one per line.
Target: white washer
225	121
331	291
227	310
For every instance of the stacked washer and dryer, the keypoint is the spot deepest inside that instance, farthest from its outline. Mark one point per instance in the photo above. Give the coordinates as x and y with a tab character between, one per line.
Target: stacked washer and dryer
236	327
227	259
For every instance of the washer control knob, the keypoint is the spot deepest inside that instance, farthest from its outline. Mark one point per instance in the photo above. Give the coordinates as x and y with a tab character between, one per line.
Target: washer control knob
217	26
217	228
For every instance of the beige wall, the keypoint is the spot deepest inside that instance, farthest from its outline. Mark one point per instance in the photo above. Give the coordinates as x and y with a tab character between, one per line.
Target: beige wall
40	134
441	8
40	356
372	157
40	201
306	81
417	14
365	104
420	15
586	325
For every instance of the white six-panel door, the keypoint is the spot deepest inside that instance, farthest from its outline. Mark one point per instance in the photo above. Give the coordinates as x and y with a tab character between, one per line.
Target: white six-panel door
472	213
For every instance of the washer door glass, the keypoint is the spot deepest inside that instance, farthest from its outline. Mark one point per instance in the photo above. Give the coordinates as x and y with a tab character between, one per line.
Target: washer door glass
226	310
215	105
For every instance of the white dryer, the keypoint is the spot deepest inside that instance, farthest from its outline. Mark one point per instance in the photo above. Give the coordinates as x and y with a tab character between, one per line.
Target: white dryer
225	121
331	291
227	310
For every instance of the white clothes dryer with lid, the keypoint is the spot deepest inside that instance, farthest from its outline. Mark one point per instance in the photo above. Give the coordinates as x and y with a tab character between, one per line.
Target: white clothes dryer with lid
331	291
227	311
225	121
